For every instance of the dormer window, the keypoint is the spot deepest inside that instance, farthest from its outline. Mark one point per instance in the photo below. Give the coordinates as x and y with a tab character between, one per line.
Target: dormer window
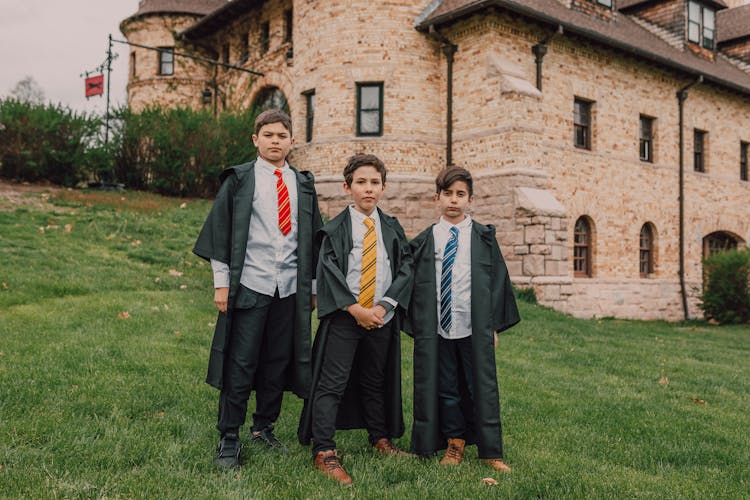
605	3
701	24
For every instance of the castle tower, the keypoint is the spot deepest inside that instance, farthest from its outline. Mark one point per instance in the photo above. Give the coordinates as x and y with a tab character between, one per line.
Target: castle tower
160	77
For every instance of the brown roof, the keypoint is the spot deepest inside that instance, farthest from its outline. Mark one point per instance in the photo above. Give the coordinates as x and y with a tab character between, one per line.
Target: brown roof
733	23
219	18
200	7
622	33
624	4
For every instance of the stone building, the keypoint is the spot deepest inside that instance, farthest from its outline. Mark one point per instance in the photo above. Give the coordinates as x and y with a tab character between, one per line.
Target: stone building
569	113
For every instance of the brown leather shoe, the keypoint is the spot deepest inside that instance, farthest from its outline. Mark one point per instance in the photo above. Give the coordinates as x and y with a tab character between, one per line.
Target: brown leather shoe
454	454
328	463
496	464
386	446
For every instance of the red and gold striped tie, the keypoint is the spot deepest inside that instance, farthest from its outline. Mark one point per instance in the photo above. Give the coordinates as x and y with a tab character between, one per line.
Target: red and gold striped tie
369	259
285	213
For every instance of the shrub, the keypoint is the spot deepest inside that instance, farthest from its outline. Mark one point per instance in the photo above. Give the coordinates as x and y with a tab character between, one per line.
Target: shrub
45	142
527	295
179	152
726	294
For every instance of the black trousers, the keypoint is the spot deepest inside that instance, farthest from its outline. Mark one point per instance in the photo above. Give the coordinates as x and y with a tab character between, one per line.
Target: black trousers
345	339
260	350
455	361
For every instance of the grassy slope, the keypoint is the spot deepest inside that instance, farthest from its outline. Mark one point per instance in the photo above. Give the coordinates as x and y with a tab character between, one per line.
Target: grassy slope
98	405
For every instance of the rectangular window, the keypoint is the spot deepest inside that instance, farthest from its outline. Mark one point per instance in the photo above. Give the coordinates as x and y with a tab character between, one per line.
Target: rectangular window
265	35
309	114
699	159
166	60
288	25
244	47
133	73
701	24
370	108
646	136
743	160
582	124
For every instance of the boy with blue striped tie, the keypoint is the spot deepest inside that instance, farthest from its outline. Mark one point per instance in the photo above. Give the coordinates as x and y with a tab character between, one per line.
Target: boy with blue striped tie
462	298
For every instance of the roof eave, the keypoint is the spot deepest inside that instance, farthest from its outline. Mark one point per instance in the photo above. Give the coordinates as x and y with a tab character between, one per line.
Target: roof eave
572	28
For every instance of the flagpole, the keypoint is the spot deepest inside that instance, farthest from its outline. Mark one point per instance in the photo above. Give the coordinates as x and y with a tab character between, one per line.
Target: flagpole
109	77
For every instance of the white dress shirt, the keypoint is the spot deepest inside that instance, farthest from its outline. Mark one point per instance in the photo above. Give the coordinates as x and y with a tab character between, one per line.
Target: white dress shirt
461	278
383	277
271	256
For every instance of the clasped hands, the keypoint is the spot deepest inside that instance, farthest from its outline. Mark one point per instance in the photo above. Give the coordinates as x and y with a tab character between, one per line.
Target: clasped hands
367	317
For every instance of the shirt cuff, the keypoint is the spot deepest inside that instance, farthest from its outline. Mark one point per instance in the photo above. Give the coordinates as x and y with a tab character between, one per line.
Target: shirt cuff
388	303
314	286
221	274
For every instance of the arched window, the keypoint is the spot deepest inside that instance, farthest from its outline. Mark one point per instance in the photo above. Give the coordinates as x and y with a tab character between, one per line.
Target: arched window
582	248
646	251
271	98
718	242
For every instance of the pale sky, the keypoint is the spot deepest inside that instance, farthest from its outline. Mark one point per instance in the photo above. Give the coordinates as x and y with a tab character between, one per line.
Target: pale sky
55	41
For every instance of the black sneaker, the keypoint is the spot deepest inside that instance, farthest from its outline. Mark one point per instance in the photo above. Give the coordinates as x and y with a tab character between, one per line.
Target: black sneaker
228	452
266	437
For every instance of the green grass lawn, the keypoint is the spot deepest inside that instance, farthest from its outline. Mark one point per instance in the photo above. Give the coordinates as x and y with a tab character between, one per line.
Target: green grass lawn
105	324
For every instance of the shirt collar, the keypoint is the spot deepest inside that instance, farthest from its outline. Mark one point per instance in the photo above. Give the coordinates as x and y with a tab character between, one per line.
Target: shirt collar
359	217
266	165
464	224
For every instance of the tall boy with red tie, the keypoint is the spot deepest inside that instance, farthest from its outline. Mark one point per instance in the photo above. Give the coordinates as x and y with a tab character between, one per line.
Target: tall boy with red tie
364	283
259	238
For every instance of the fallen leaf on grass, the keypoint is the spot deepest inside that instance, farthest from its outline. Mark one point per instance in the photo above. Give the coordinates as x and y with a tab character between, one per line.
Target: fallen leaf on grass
124	315
177	334
5	286
2	353
155	308
489	481
160	414
174	272
531	340
68	228
182	287
184	205
664	381
698	401
73	387
165	306
41	229
211	325
135	243
156	280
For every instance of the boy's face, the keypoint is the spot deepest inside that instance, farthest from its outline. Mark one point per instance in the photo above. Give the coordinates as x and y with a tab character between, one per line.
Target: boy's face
273	142
366	189
454	201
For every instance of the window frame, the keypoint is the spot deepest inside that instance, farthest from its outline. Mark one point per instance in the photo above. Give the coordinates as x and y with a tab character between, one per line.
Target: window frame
309	114
699	150
163	51
360	110
133	70
585	107
744	147
586	246
648	141
699	25
264	41
646	252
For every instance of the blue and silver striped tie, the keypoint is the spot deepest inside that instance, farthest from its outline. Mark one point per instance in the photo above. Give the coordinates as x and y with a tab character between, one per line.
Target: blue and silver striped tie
446	280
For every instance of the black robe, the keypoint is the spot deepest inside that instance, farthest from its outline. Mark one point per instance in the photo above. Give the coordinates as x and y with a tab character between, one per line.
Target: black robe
224	238
334	295
493	308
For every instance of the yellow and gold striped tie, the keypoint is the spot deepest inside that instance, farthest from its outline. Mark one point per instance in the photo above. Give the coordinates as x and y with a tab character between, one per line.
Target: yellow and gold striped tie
369	258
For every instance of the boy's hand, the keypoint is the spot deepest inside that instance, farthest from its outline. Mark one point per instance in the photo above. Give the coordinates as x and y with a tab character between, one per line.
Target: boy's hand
379	311
221	297
366	318
313	302
496	334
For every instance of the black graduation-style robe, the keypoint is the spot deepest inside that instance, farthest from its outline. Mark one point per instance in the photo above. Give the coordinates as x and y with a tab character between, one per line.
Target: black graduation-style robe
224	238
334	295
493	308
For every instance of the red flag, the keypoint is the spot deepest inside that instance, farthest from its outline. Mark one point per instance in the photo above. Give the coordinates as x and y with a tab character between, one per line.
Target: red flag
94	85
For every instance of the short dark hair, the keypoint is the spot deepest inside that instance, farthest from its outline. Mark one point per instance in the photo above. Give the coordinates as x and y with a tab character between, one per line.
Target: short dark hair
273	116
363	160
451	174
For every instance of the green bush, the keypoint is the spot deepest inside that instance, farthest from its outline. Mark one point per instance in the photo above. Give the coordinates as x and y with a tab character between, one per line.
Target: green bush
46	142
726	294
179	152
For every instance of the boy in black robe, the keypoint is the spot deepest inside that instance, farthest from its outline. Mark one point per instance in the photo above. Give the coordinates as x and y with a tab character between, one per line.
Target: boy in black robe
259	238
462	298
364	284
